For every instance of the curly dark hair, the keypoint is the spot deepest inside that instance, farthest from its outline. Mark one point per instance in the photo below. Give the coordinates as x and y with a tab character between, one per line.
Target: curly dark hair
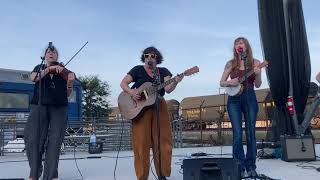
152	50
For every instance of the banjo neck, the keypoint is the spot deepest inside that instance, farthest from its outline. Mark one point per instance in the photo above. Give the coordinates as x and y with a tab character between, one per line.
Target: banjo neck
248	74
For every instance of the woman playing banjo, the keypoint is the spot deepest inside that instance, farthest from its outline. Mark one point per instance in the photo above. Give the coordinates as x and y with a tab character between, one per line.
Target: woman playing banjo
243	104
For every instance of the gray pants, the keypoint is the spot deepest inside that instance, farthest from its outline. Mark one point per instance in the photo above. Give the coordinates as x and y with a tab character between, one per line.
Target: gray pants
49	130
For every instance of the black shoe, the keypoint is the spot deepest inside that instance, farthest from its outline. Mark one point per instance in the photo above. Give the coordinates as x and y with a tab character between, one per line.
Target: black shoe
252	173
162	178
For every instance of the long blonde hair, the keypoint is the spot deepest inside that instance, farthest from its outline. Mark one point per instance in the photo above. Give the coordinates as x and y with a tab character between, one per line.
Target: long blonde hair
235	61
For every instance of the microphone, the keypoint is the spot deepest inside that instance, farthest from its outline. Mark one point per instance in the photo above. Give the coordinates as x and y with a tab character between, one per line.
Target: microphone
151	64
240	50
51	47
154	71
243	54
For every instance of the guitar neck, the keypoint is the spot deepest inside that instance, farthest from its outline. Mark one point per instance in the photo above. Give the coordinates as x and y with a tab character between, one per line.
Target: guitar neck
248	74
168	82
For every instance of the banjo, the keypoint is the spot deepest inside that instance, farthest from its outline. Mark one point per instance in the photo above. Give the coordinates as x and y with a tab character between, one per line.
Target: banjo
237	90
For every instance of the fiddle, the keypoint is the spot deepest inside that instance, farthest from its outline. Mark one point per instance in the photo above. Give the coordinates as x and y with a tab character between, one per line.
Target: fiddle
67	75
65	72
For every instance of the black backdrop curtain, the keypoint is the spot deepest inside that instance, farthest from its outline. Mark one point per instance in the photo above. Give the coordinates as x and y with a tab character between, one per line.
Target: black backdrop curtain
274	41
300	56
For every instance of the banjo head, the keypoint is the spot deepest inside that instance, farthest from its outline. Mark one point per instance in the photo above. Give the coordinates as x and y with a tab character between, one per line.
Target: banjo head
233	91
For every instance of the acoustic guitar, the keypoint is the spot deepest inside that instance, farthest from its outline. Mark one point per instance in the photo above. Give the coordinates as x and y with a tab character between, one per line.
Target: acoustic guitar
130	108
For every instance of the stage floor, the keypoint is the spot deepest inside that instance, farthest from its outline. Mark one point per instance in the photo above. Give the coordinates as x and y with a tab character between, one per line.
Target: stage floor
102	168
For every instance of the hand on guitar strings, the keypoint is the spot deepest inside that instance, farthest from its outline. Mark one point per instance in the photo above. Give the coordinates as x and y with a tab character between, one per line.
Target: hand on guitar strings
256	69
135	94
234	82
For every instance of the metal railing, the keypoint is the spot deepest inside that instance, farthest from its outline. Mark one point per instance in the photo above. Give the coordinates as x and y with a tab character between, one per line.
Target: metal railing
185	133
77	135
191	133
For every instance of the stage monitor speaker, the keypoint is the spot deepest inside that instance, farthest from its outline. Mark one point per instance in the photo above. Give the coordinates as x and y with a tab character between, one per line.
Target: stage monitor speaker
297	148
206	168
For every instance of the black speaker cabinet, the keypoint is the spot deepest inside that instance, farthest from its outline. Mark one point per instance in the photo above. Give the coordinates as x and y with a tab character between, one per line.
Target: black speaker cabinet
297	148
206	168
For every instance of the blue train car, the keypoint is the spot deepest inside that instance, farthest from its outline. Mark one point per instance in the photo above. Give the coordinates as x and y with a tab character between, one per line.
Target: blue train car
16	91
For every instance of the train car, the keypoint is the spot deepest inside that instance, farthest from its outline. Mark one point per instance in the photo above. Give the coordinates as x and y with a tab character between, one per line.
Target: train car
212	107
16	91
173	109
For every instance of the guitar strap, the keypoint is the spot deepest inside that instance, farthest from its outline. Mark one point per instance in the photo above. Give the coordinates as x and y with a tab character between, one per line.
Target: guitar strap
158	71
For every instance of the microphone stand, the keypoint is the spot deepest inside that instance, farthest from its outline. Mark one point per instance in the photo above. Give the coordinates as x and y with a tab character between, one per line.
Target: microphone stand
156	82
37	160
244	57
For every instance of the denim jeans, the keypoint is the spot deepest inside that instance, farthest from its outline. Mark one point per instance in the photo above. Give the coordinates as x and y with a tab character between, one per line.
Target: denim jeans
246	105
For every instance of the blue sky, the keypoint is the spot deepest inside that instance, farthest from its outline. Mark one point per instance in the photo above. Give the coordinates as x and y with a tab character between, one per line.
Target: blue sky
187	32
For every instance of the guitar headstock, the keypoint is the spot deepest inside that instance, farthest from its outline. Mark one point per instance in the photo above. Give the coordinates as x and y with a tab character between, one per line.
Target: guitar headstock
191	71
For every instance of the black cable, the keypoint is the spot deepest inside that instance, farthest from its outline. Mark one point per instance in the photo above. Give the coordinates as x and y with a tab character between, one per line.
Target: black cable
116	164
220	154
14	161
260	176
67	159
154	175
309	166
75	160
118	157
96	157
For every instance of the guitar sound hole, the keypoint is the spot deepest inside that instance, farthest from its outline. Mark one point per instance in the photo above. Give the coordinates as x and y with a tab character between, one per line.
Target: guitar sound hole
143	97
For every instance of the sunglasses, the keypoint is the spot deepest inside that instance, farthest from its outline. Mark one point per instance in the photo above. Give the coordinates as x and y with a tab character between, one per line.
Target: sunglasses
150	55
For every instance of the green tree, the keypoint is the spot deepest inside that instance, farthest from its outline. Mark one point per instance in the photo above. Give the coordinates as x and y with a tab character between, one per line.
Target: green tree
95	96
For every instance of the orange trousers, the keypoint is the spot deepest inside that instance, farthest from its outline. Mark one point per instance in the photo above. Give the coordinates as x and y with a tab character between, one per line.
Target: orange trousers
145	135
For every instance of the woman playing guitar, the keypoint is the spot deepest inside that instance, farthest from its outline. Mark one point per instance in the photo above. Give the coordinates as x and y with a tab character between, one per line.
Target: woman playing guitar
144	126
245	103
49	116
